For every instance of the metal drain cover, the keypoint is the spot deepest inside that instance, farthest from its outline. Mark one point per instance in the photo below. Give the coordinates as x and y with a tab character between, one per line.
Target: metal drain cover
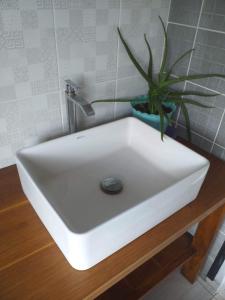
111	185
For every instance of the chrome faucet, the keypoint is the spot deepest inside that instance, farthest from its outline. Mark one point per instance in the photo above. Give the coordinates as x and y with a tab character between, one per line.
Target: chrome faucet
73	99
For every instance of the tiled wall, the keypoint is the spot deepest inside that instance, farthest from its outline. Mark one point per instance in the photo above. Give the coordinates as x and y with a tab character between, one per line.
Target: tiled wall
43	42
200	24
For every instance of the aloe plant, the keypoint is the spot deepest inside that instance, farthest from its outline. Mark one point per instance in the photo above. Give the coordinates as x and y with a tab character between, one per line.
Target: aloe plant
160	91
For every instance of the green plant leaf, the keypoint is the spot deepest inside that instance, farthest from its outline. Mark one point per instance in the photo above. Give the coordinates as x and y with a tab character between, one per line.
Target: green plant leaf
111	100
167	117
172	121
161	114
150	64
191	93
165	50
187	120
160	90
133	59
196	103
176	62
189	77
189	101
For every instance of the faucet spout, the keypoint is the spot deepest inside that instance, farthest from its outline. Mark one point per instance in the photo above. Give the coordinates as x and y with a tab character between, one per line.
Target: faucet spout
72	95
83	104
73	99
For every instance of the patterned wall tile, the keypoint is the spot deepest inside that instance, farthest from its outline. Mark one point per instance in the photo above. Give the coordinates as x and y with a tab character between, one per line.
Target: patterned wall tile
87	44
20	73
44	4
28	48
11	20
66	4
22	89
6	76
11	39
29	19
36	118
9	4
213	15
128	88
185	12
4	58
7	92
137	18
209	57
87	39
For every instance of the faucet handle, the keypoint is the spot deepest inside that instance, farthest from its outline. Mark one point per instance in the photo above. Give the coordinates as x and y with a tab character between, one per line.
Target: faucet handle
71	87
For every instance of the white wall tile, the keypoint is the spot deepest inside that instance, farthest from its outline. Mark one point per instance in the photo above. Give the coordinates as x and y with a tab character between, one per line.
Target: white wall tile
88	35
43	42
128	88
26	27
37	117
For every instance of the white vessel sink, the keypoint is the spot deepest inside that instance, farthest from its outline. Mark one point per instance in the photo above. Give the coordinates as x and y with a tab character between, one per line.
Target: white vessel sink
61	179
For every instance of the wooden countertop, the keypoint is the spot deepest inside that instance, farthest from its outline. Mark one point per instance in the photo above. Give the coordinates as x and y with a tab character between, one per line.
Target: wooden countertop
32	266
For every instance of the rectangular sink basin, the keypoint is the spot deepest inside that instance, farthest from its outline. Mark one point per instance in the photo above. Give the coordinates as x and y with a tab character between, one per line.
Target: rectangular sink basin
61	178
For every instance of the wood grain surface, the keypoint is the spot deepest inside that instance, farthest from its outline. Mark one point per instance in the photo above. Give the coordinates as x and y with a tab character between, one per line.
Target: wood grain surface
32	266
11	193
201	242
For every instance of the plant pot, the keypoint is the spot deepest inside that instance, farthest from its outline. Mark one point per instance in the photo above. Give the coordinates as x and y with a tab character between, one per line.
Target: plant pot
151	119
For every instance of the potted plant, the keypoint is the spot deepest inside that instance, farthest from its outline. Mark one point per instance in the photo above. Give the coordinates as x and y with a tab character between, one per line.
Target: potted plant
158	105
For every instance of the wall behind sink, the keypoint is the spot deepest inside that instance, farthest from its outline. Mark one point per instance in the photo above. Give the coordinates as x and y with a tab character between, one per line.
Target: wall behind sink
200	24
43	42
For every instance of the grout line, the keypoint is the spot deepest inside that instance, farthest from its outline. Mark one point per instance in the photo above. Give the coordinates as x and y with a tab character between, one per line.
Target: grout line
199	27
203	87
217	132
58	71
169	13
195	37
211	30
117	62
207	287
193	46
223	147
213	142
21	99
26	256
221	289
60	90
183	25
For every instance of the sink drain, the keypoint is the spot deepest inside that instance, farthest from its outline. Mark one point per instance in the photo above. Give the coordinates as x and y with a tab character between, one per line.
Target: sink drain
111	185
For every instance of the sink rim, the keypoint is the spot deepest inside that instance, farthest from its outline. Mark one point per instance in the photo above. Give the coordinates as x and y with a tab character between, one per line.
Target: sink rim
92	228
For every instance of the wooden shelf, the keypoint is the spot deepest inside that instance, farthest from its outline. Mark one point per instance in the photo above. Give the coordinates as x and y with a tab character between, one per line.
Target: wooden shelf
137	283
32	266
